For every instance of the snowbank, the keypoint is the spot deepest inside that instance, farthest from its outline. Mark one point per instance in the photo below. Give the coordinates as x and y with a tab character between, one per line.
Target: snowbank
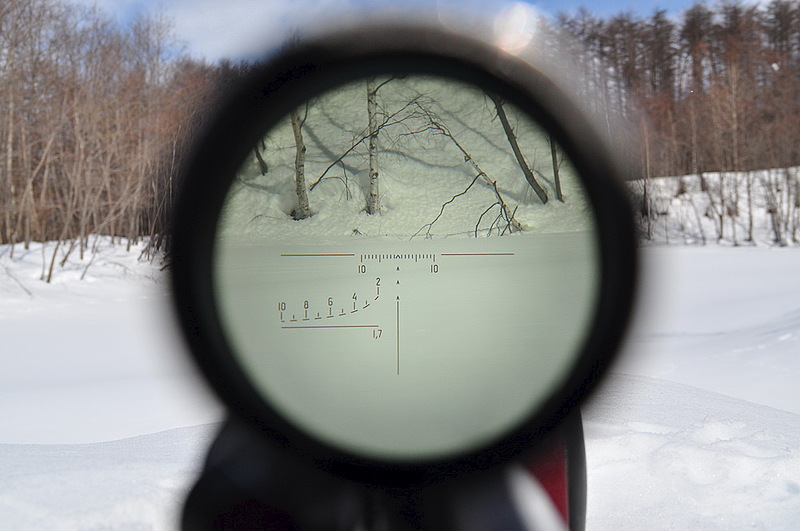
698	427
91	360
133	484
443	159
663	455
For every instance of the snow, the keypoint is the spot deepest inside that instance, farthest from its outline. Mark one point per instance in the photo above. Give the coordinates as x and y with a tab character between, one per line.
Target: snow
131	484
81	356
698	426
450	377
683	213
723	319
104	420
105	425
663	455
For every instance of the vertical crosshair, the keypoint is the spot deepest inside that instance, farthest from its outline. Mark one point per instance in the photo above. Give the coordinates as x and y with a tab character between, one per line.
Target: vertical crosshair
397	328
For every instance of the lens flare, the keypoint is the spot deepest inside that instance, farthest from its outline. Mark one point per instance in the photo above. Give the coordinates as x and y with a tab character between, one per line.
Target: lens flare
515	26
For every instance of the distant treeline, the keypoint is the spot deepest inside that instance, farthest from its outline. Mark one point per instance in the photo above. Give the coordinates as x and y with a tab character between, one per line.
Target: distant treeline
95	117
713	89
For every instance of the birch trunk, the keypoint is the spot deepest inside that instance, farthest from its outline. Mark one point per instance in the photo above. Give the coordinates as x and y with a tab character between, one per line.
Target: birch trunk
556	165
303	210
512	140
373	197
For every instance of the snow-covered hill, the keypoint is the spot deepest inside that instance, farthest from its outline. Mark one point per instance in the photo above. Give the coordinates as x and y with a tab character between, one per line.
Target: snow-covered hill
446	169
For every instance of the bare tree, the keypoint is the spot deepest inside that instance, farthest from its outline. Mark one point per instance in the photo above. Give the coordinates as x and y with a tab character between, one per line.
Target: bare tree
262	164
373	197
402	115
556	157
303	210
512	140
93	118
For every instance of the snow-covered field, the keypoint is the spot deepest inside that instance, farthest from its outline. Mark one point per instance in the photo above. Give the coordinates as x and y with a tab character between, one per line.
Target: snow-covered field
698	426
105	425
104	422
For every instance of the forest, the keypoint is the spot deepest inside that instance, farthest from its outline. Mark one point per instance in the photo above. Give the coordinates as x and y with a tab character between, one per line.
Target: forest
714	90
94	119
96	116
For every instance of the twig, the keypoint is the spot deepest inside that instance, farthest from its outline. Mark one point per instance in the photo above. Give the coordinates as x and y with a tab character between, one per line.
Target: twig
389	121
439	127
477	225
86	269
441	211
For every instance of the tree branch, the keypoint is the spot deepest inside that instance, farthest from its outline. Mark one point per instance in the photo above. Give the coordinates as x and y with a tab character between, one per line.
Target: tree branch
441	211
512	139
389	121
437	125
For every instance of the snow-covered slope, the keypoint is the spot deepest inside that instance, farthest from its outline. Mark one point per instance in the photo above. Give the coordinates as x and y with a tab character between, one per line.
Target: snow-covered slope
133	484
88	370
663	455
699	426
435	138
722	319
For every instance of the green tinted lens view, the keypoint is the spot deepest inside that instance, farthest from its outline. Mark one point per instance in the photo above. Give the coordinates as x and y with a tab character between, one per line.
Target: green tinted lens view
407	267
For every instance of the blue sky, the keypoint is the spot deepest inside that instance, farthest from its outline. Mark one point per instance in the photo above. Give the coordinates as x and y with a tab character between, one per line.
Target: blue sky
606	7
213	29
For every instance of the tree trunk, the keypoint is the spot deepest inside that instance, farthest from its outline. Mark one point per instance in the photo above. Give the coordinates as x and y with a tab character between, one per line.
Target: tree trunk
647	209
750	215
262	165
373	198
303	210
11	205
556	165
512	139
